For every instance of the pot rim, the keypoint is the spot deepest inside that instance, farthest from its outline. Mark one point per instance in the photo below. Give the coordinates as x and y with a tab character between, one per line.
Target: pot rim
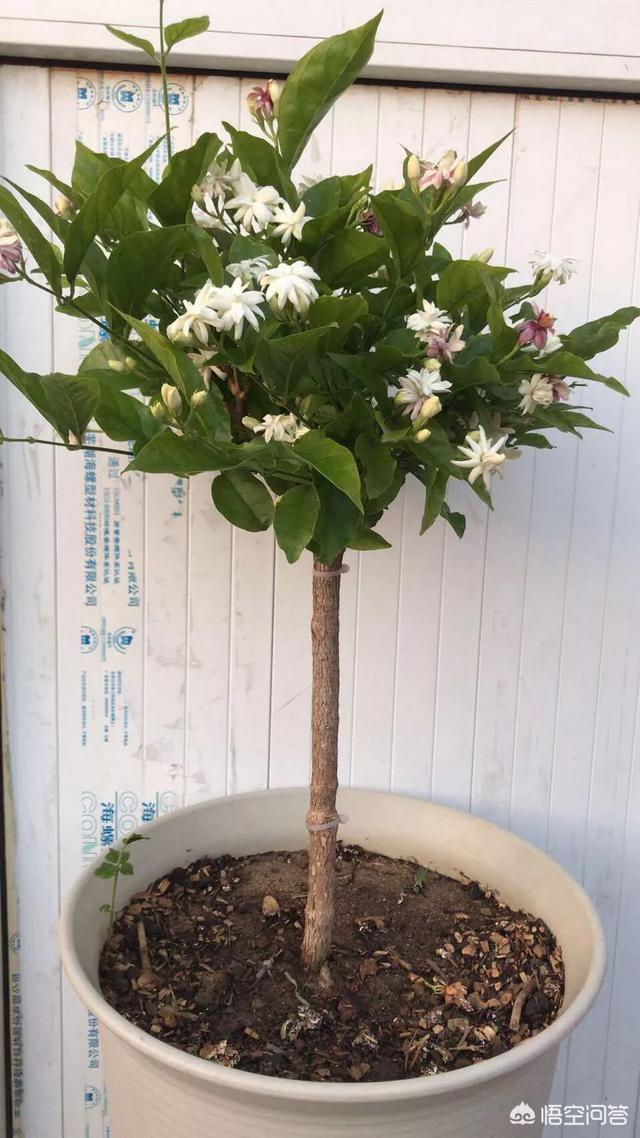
249	1082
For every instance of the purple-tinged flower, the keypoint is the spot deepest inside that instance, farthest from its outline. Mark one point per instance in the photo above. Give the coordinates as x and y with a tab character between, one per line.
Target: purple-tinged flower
537	330
10	249
471	209
368	222
263	101
445	345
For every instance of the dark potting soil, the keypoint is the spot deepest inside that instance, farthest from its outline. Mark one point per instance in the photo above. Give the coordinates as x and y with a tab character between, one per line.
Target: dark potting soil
428	974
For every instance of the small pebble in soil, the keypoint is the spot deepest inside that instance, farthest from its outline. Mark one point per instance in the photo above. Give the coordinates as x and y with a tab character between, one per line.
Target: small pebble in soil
428	974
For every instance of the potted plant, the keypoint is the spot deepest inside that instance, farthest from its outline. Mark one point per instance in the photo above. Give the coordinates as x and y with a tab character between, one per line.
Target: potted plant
312	348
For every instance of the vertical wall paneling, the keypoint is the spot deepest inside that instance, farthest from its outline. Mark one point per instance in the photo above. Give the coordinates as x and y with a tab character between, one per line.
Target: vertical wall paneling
155	657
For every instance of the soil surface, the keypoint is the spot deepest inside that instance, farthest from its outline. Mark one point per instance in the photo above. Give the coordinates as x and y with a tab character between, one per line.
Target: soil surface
427	974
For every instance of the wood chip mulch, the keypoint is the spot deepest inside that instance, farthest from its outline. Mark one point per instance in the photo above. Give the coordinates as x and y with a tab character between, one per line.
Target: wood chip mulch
426	975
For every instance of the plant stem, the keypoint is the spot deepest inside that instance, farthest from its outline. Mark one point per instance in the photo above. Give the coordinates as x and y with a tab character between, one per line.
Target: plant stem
165	86
50	443
112	910
325	627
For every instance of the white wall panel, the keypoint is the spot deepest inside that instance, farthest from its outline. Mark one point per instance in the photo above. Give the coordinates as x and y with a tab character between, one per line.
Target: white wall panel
500	674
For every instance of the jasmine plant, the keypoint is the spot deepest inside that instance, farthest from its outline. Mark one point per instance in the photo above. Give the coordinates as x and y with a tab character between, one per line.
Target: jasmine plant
311	347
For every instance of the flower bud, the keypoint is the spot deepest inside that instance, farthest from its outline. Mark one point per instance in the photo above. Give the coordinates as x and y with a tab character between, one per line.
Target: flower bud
158	411
197	195
117	366
129	363
432	364
171	399
64	207
431	406
485	256
414	168
198	398
422	435
460	174
274	87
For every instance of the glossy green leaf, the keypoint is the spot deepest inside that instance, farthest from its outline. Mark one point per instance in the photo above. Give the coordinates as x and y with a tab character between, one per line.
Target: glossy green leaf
435	487
172	359
458	522
333	461
476	163
185	29
243	500
349	256
294	520
97	208
379	464
565	364
338	522
122	417
316	82
53	180
283	359
477	373
168	453
206	247
171	200
67	402
337	192
404	229
599	335
134	41
367	539
341	311
142	262
259	158
41	250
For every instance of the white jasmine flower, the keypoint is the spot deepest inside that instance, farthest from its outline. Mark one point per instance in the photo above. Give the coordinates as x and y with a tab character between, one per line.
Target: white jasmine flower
205	218
559	269
248	270
290	284
220	179
429	321
232	305
10	248
553	343
202	361
482	457
418	386
277	428
542	391
171	398
290	222
254	205
197	318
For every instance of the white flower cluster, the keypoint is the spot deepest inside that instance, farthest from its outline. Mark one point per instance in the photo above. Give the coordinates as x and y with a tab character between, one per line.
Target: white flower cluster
277	428
434	327
229	190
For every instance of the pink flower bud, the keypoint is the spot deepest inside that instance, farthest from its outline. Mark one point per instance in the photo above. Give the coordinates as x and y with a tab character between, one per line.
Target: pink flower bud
10	249
260	104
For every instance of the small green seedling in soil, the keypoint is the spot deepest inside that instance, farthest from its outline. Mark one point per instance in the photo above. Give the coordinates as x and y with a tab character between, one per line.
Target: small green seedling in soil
421	877
115	863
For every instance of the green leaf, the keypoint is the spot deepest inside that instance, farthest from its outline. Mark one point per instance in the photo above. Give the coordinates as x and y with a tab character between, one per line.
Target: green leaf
134	41
475	164
338	522
113	856
531	439
435	486
122	417
90	219
565	364
458	522
243	500
316	82
206	248
404	229
175	362
341	311
378	462
67	402
368	539
260	159
332	461
51	178
463	287
106	870
126	869
141	263
564	418
185	29
503	336
171	200
131	838
41	250
295	518
599	335
349	256
168	453
477	373
283	360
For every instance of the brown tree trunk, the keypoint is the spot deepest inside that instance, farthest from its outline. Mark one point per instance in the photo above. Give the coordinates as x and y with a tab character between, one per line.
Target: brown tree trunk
322	818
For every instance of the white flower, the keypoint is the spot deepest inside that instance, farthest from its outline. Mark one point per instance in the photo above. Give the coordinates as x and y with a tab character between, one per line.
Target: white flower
535	392
429	321
248	270
254	205
205	218
232	305
290	284
198	399
221	178
278	428
417	386
559	269
482	458
553	343
289	222
202	361
197	318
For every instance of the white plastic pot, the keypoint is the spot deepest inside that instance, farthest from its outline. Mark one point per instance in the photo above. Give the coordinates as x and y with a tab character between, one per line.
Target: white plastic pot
156	1091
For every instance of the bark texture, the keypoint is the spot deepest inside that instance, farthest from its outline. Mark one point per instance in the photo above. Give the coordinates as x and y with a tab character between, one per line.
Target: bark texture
325	625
